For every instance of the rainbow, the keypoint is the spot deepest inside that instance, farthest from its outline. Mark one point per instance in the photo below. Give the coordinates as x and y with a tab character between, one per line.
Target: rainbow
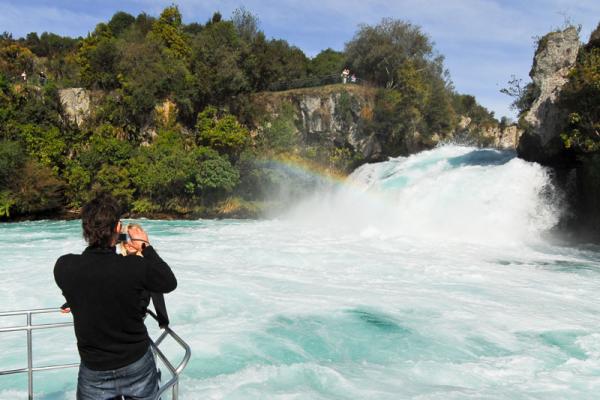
303	166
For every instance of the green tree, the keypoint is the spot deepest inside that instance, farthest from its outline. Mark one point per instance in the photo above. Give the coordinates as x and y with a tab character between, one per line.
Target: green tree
12	159
32	42
116	180
467	105
78	180
246	24
168	28
168	171
120	21
161	171
49	44
47	145
104	148
149	74
439	115
222	133
38	190
580	98
6	203
216	64
98	163
376	53
273	64
214	173
98	56
15	59
144	23
193	29
392	119
327	62
279	134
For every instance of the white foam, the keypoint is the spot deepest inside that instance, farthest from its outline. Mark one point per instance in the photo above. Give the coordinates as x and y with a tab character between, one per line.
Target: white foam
340	304
450	193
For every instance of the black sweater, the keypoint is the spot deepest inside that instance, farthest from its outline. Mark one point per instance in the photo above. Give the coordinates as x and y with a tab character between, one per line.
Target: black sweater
103	290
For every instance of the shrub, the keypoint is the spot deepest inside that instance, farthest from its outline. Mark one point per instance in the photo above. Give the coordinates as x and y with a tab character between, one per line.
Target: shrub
222	133
38	190
12	158
7	201
279	133
580	98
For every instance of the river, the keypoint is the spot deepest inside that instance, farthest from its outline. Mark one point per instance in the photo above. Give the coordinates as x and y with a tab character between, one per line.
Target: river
428	277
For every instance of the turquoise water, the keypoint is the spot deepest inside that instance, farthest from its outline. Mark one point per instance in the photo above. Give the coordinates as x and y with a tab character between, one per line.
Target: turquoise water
430	277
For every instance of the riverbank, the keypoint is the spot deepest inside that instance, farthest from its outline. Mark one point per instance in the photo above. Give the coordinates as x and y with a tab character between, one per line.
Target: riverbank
233	208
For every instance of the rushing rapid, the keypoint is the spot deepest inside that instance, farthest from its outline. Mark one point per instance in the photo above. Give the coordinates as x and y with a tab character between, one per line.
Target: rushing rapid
426	277
448	193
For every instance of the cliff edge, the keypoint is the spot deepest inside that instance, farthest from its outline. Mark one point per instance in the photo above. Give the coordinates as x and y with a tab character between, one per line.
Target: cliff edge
555	56
561	125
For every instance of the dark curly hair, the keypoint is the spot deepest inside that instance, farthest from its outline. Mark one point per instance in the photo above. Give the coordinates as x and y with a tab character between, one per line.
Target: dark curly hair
99	219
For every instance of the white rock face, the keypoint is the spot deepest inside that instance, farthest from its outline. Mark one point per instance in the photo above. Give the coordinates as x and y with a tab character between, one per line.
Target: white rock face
464	122
76	104
322	120
509	138
555	56
505	138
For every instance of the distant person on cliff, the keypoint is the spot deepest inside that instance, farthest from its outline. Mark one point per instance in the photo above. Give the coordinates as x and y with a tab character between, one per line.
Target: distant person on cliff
104	291
345	74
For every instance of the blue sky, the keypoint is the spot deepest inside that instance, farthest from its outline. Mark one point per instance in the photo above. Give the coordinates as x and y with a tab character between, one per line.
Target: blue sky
484	41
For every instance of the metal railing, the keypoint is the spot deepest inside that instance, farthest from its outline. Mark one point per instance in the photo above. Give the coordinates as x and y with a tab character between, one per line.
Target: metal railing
172	384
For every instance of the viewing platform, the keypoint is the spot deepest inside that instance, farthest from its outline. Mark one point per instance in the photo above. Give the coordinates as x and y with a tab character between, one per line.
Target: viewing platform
29	326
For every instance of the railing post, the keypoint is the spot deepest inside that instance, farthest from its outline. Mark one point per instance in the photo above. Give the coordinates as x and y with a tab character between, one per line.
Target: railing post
29	358
29	327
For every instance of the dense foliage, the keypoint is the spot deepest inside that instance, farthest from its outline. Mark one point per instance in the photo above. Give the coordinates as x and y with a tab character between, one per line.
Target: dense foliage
580	97
171	121
417	99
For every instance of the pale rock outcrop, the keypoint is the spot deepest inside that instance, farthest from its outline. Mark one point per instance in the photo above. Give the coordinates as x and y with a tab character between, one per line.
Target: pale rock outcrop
328	117
509	137
166	112
555	56
464	122
503	138
76	104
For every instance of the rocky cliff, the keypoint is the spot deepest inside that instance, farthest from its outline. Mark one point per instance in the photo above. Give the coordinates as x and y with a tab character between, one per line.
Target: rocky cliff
329	116
338	116
332	116
504	137
555	56
76	104
493	135
576	172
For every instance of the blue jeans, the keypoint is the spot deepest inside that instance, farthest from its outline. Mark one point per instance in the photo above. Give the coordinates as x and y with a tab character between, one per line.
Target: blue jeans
138	380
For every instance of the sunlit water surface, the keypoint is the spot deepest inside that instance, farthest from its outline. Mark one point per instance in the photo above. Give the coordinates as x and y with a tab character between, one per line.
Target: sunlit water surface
426	278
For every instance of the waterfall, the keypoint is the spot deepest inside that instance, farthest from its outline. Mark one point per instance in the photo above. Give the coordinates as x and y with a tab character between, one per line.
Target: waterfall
453	192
